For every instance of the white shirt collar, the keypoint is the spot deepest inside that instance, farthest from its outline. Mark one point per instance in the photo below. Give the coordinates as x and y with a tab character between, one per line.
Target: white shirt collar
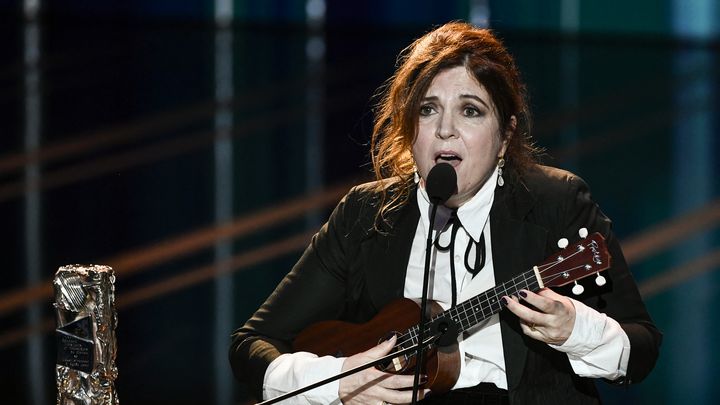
473	214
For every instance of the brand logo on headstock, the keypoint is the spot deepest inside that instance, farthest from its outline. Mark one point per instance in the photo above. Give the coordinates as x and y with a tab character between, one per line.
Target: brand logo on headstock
595	249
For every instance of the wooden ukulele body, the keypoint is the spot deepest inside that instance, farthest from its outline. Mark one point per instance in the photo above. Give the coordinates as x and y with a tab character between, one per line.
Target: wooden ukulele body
344	339
442	366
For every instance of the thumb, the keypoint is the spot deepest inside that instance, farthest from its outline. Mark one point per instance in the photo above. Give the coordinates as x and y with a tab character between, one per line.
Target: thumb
383	348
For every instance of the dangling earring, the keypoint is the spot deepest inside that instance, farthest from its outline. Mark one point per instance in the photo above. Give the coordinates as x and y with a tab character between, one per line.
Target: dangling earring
500	165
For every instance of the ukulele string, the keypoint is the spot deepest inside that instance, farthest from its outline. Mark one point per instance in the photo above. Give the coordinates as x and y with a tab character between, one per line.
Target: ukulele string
468	309
549	266
411	333
546	267
556	276
407	337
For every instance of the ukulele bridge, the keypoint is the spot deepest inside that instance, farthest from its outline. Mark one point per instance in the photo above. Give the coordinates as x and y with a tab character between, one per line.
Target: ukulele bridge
396	364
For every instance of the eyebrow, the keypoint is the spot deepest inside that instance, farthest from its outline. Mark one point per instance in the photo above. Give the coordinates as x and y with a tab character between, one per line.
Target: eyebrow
470	96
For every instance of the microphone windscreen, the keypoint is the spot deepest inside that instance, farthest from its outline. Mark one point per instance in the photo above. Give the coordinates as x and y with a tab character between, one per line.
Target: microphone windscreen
441	183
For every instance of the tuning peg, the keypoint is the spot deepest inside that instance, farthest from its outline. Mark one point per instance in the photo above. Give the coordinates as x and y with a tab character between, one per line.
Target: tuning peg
583	232
562	243
600	280
577	289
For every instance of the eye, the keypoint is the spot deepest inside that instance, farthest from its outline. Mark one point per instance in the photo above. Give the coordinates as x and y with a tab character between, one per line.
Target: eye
471	111
427	109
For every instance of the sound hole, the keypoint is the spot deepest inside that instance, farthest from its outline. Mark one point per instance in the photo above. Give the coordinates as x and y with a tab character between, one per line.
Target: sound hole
396	364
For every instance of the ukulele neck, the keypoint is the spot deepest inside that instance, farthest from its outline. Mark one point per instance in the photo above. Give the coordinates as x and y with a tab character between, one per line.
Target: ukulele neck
589	256
484	305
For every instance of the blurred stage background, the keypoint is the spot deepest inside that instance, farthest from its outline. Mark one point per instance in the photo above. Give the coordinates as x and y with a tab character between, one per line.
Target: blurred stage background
194	146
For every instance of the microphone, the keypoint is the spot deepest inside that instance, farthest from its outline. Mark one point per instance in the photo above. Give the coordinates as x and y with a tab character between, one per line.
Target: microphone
441	183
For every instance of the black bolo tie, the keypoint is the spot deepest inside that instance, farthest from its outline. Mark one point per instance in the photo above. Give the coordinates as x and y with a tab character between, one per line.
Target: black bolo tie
454	223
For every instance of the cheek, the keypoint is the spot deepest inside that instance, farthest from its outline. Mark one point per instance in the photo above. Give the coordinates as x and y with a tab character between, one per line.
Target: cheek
421	151
484	154
420	159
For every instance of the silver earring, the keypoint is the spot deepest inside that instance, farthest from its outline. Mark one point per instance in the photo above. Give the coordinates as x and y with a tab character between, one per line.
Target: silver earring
500	165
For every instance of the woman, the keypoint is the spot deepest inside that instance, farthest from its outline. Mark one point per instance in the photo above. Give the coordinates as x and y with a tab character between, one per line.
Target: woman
457	98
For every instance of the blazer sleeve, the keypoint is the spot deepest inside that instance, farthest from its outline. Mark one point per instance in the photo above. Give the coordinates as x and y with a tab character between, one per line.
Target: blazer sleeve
313	290
619	298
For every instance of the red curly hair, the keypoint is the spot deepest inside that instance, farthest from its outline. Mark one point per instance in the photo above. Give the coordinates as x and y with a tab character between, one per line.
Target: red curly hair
450	45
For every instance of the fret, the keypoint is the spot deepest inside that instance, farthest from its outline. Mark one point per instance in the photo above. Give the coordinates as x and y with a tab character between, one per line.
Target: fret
461	318
487	303
504	288
475	309
413	332
553	272
457	316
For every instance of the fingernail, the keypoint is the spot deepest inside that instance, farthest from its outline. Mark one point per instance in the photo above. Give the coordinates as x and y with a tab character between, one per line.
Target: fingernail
504	301
523	294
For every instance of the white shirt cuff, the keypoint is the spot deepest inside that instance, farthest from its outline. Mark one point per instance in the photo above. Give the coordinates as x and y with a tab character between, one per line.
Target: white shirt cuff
597	347
291	371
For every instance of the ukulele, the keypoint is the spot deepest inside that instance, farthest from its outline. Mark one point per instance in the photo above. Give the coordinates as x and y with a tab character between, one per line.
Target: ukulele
442	359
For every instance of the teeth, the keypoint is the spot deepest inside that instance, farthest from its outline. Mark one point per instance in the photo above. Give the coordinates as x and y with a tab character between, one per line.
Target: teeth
448	157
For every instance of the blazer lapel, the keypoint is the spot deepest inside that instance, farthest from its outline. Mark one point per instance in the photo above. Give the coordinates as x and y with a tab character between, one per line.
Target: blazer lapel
388	255
517	245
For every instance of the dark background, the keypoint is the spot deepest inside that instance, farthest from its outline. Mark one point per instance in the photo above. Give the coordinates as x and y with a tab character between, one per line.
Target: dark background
195	151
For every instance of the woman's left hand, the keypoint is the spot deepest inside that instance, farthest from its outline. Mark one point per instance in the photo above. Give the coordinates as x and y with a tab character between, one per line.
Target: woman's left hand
550	321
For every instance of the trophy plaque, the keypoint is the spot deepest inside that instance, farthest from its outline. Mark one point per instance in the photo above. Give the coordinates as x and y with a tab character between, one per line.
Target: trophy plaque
86	346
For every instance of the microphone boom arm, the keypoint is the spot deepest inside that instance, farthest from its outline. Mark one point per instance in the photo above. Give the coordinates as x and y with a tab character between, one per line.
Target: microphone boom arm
427	342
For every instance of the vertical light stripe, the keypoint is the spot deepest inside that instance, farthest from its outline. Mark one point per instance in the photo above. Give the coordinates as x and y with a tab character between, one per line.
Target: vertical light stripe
315	13
570	74
696	19
689	354
570	16
31	8
33	207
224	190
314	104
480	13
223	12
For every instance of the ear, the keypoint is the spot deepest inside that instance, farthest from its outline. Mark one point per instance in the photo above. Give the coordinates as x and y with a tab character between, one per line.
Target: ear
509	133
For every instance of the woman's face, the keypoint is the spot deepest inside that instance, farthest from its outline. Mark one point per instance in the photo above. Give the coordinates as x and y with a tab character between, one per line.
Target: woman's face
458	125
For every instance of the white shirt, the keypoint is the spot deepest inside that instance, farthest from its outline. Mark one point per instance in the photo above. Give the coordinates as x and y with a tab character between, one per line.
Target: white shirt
596	348
482	361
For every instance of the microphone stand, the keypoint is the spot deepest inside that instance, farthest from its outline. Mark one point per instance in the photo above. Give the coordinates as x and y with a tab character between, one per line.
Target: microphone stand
381	360
423	305
419	349
439	179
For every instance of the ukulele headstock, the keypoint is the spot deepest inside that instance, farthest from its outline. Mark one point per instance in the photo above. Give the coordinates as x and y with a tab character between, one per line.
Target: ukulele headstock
575	261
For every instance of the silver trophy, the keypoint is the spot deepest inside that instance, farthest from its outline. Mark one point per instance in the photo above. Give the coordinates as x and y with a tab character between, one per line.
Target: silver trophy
86	345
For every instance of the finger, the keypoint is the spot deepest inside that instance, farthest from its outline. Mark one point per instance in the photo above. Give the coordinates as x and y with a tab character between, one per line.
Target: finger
525	314
558	310
382	349
401	397
400	381
543	304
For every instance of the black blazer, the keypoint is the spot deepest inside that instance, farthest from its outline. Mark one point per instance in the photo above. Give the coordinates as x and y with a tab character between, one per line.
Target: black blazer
351	270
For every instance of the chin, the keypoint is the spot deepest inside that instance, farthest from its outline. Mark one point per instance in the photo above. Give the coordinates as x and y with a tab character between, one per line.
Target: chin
454	202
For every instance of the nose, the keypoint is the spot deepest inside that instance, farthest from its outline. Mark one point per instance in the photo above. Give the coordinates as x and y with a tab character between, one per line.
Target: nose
446	126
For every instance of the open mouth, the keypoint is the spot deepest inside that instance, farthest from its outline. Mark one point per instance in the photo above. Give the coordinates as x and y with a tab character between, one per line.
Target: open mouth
448	157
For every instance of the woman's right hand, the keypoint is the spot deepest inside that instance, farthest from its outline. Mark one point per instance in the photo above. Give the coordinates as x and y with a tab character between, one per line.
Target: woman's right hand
372	386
